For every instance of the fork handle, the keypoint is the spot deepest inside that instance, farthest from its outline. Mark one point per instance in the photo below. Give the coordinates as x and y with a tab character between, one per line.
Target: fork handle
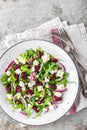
75	56
79	72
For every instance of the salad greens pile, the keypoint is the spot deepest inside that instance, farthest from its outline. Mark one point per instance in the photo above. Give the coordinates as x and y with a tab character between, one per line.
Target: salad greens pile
35	81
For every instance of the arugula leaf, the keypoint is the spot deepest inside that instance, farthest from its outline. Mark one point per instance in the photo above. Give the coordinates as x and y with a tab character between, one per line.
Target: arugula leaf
4	79
38	114
25	69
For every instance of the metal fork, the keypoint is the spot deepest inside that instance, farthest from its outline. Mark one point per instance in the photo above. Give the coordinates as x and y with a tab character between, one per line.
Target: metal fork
63	35
70	49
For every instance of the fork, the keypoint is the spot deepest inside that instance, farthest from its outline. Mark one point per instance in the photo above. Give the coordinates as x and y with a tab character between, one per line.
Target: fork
69	47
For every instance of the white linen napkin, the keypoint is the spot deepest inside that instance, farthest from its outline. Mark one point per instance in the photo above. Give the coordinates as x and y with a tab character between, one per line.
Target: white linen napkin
77	33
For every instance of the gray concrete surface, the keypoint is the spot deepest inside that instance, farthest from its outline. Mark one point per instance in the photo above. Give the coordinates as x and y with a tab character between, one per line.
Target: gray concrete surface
19	15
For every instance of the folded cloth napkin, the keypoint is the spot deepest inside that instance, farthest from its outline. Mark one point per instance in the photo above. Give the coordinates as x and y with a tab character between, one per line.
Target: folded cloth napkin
76	32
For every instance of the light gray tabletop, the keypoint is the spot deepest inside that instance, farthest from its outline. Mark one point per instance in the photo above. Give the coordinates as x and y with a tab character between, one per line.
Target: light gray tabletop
20	15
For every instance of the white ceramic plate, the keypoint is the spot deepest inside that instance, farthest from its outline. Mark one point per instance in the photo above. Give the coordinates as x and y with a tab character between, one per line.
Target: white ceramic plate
68	97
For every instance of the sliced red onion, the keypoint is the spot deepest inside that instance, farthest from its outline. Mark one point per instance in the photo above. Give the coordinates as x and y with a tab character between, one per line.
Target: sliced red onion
20	98
61	90
56	99
16	67
24	101
62	66
41	100
30	60
9	66
32	76
23	113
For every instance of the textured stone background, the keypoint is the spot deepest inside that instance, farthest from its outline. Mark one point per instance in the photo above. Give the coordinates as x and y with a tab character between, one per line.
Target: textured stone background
19	15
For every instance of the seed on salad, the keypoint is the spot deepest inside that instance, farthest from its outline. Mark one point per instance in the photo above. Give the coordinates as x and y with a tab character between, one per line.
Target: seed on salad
53	60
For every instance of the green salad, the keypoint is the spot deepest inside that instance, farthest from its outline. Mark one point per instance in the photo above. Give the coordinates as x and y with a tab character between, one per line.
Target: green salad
35	81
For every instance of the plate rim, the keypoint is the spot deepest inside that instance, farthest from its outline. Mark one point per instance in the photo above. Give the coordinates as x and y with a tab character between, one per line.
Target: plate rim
77	77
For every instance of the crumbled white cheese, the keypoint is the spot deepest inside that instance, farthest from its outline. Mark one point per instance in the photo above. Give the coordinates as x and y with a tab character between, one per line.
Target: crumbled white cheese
37	76
45	57
51	107
44	110
26	83
53	71
8	73
18	71
16	61
9	96
28	77
49	93
58	94
35	62
46	79
31	84
29	105
18	95
21	60
60	73
23	88
36	98
47	85
32	69
9	79
36	103
60	86
19	109
41	67
27	95
14	86
48	103
21	84
40	88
